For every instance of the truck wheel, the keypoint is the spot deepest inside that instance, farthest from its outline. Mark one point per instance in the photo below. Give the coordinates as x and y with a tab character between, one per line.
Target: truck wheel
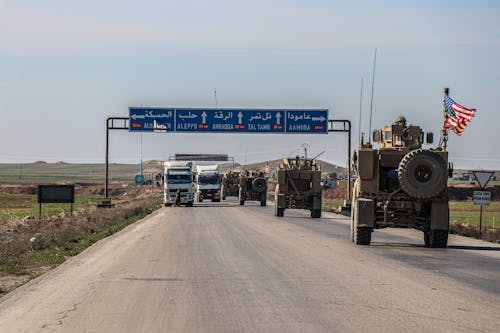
189	204
422	174
438	238
426	238
363	236
315	213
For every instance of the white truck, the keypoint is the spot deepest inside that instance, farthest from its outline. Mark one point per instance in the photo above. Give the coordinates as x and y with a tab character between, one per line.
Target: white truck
178	178
208	183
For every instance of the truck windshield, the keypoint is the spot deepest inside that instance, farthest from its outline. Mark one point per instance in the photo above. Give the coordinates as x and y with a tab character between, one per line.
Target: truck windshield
178	179
210	180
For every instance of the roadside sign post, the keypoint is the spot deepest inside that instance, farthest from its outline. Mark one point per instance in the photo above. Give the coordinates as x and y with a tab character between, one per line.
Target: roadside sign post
55	194
482	198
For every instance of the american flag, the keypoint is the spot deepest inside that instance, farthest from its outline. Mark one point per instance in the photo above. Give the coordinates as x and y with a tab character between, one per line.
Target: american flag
456	116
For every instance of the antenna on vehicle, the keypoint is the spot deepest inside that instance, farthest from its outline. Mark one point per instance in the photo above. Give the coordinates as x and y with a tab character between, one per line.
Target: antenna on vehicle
371	102
359	118
315	157
215	95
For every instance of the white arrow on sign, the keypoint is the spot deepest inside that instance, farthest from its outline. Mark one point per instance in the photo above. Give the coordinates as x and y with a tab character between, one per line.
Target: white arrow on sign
240	118
483	177
318	118
278	118
204	117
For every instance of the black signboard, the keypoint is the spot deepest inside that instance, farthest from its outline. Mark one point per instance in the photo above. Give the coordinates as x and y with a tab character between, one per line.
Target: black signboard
56	194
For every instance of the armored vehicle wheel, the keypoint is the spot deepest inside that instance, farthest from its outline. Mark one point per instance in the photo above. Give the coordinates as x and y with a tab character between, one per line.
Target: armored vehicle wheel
259	184
315	213
279	212
437	238
422	174
363	236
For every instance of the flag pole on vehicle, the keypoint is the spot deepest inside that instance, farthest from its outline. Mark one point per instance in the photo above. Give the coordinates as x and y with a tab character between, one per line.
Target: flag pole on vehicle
444	132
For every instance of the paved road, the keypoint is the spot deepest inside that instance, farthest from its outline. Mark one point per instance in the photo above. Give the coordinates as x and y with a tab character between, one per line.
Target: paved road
226	268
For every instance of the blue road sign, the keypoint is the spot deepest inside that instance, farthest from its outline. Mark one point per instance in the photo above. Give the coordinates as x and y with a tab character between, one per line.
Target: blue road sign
150	119
236	121
305	121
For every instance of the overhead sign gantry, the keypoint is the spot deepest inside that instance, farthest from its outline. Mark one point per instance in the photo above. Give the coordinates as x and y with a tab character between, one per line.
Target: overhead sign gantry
230	120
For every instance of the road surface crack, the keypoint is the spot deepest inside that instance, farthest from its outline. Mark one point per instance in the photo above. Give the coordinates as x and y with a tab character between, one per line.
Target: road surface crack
62	316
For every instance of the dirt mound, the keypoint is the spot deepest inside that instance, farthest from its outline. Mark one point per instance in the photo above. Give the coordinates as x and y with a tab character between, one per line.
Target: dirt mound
18	189
461	193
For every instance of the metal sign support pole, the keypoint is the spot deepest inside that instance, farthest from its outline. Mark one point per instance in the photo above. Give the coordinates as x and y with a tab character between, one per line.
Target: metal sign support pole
481	222
345	128
110	125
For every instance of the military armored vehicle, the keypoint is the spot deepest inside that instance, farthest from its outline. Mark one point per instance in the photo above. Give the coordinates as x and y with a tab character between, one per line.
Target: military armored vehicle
230	184
401	185
253	187
299	186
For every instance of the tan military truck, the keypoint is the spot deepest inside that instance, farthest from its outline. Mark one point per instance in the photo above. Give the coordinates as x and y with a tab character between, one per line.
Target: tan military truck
299	186
253	187
230	184
401	185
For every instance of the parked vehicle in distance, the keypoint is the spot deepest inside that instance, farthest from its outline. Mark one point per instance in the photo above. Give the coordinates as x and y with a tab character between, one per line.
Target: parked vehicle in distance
178	177
230	184
253	187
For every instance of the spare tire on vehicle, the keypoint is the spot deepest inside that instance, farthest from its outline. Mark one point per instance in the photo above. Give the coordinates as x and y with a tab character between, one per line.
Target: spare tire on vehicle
422	174
259	184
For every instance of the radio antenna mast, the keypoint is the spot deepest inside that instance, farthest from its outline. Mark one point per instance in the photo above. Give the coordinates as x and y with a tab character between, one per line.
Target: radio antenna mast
371	102
359	118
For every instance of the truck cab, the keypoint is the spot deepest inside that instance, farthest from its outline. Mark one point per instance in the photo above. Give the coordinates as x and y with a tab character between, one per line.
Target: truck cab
208	183
178	180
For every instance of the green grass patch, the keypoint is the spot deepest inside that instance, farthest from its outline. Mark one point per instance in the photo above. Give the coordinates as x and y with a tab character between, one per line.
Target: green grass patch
22	205
467	212
28	173
35	262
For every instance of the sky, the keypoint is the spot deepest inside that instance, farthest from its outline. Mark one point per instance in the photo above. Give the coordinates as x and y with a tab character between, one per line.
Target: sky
67	65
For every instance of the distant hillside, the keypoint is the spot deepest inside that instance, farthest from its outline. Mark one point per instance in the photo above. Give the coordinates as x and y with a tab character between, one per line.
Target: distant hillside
61	172
274	164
